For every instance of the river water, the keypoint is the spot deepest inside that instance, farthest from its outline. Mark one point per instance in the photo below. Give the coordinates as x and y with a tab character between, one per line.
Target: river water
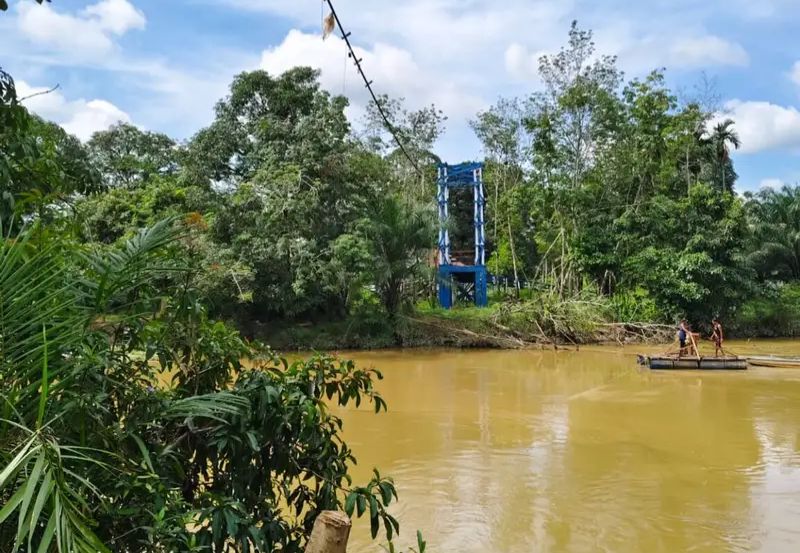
507	451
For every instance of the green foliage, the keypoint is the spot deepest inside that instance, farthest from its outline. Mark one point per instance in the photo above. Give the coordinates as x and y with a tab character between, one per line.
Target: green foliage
774	217
400	236
634	306
40	164
130	421
270	121
689	252
549	314
622	189
775	312
127	156
120	212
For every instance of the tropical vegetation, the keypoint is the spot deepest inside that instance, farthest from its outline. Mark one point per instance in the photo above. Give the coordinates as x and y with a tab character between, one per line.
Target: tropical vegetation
140	274
129	419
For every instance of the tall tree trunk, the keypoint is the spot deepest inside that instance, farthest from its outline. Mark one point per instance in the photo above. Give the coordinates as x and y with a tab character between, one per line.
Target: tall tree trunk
496	213
722	170
511	235
513	255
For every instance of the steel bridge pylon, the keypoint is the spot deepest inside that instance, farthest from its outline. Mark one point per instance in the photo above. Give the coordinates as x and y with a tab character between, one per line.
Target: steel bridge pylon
462	280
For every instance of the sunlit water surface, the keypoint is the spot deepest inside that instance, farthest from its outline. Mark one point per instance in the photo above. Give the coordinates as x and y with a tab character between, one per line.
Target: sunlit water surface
506	451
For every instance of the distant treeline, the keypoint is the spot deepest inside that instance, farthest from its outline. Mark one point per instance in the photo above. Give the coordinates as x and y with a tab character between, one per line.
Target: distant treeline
595	185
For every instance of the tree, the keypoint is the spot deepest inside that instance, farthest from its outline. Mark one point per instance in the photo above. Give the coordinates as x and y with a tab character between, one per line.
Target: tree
131	424
501	131
288	228
418	131
271	121
401	235
40	164
774	217
563	117
688	252
721	137
127	156
294	182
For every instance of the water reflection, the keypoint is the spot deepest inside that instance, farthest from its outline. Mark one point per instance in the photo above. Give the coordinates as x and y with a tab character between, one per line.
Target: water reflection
582	451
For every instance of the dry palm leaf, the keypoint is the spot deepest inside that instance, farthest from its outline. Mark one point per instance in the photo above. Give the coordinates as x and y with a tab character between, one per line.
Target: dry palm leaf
327	25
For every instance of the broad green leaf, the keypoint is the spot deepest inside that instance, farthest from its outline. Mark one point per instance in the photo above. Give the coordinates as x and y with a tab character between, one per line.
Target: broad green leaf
350	503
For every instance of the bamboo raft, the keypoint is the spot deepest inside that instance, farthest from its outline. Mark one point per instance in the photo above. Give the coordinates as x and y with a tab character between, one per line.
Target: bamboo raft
673	362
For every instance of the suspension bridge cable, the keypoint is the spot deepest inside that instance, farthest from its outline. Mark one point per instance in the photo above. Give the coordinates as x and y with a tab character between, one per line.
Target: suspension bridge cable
368	83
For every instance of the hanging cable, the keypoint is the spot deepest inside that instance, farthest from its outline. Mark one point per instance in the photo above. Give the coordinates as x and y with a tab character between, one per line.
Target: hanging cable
368	83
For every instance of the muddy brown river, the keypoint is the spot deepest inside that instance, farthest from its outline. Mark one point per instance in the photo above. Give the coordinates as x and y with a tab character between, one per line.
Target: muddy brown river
517	451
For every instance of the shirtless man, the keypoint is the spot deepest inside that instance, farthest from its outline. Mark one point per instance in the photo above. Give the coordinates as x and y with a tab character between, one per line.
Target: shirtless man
717	337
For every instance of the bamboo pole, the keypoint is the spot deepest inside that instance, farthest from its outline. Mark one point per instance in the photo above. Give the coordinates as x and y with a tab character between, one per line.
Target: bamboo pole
694	345
330	534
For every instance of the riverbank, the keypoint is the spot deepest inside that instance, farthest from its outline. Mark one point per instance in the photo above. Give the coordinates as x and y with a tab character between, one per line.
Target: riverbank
542	321
499	327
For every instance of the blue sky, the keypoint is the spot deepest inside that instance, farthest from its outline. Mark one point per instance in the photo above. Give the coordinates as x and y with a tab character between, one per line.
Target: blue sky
161	64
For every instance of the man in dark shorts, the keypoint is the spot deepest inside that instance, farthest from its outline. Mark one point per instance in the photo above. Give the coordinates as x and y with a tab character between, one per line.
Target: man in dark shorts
717	337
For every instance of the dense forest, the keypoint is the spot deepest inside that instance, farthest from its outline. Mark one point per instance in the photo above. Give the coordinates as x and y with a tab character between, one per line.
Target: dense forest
608	200
129	422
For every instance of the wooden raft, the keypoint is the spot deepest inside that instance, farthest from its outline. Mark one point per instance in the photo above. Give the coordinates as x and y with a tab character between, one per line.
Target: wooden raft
673	362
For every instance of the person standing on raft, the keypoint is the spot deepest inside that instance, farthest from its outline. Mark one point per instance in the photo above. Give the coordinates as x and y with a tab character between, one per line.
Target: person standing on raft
687	339
682	335
717	337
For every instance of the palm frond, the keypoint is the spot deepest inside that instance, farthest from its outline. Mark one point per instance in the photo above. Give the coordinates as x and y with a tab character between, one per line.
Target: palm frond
47	499
114	276
36	301
209	406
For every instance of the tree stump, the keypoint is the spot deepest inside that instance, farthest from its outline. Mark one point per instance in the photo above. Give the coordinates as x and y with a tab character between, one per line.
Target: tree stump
330	534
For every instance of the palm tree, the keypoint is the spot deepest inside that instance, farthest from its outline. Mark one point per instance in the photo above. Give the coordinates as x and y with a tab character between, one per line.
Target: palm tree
775	221
49	314
721	138
400	235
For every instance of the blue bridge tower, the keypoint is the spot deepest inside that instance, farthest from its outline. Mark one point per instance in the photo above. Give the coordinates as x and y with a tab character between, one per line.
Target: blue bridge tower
462	275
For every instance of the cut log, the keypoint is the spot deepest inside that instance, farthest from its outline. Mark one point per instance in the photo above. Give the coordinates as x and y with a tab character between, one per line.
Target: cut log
330	534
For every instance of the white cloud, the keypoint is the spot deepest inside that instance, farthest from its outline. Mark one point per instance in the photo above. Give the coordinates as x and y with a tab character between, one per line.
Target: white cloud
93	116
88	34
449	34
521	63
794	74
763	126
116	16
708	50
395	71
638	54
79	117
771	183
